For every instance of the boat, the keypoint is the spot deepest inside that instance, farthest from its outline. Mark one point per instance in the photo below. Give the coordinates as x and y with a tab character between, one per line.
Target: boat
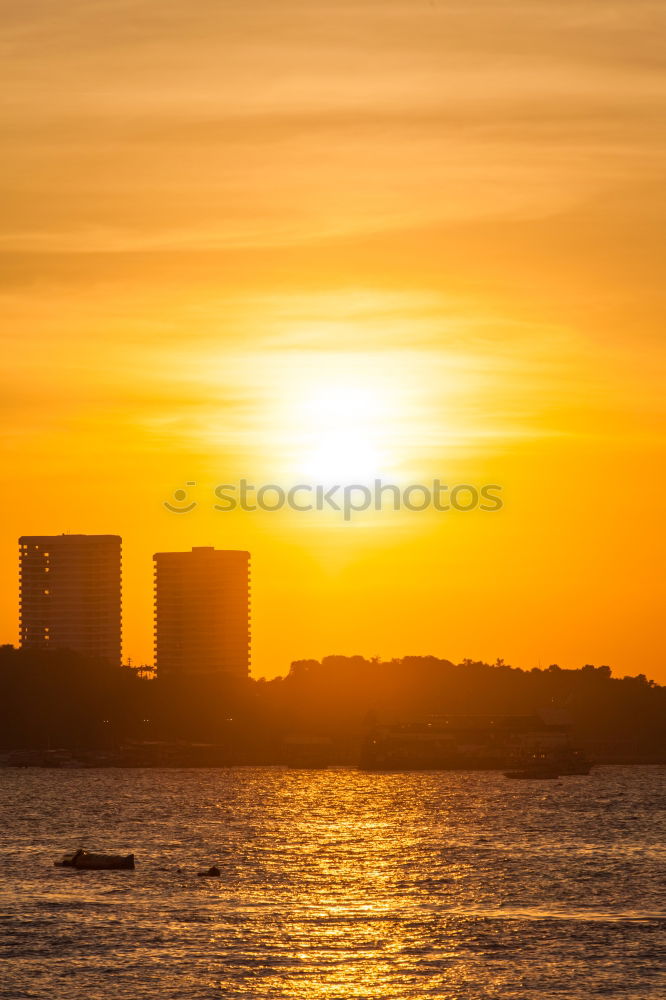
551	765
84	861
537	771
574	762
571	769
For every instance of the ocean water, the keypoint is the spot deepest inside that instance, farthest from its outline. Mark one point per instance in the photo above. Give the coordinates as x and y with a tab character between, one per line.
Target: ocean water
335	884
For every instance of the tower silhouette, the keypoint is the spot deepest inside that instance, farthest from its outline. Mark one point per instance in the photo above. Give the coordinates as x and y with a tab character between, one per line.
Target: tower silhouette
70	594
202	612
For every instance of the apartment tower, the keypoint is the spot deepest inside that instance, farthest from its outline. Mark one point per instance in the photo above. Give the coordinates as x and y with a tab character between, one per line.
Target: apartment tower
70	594
202	612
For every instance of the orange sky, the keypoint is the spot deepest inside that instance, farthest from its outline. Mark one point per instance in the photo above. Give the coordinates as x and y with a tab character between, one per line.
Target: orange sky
286	240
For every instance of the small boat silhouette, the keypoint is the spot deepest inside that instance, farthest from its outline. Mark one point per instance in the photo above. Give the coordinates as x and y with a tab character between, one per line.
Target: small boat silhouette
84	861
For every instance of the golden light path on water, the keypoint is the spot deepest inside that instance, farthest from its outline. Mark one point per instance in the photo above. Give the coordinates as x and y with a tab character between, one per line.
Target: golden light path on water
334	884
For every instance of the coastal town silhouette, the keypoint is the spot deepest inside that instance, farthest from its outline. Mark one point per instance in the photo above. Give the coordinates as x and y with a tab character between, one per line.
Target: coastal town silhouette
67	696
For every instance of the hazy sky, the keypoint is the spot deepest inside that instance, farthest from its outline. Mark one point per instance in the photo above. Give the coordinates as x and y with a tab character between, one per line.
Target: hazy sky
419	239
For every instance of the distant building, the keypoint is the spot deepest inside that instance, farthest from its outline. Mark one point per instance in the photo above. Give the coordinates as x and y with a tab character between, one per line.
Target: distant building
202	612
70	594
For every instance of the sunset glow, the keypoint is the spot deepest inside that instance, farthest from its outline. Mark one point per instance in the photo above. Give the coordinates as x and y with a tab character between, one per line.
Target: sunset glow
419	243
334	493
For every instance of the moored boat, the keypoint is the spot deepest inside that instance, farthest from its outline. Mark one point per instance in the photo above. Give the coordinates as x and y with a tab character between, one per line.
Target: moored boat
83	861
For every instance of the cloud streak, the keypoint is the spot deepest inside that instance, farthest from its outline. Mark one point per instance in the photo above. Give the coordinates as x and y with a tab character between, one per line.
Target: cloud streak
145	126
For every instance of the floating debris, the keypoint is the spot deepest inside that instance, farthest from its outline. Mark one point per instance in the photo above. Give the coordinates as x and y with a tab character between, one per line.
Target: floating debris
213	872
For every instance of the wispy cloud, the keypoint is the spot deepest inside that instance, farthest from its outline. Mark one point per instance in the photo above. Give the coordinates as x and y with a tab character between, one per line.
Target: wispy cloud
147	126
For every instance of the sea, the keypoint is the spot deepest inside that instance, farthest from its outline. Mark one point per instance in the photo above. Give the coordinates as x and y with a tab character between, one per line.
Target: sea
335	884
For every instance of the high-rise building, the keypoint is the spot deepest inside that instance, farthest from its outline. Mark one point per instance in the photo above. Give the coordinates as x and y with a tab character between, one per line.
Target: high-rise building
202	612
70	594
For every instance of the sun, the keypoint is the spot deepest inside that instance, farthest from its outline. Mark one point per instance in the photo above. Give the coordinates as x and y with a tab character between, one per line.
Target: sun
341	429
343	456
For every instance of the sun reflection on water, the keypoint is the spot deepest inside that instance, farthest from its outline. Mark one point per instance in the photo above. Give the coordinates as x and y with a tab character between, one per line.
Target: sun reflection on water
335	884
